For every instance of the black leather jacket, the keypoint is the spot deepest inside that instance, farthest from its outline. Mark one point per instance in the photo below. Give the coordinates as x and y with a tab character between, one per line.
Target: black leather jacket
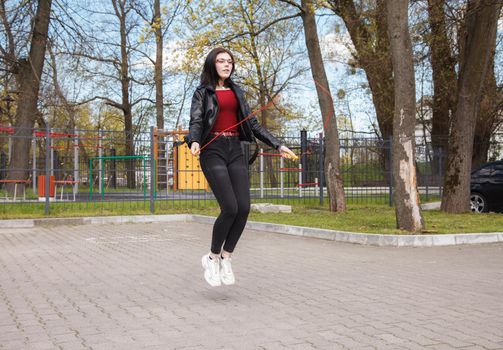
203	114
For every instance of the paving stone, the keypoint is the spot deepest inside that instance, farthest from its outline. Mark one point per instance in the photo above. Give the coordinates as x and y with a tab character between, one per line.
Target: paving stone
41	345
140	286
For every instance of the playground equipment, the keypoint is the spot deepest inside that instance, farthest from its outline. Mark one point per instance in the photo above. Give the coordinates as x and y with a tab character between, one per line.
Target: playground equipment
173	167
175	162
282	169
16	182
73	140
176	168
101	161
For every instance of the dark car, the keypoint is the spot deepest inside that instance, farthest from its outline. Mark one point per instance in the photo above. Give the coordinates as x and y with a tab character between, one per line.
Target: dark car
487	188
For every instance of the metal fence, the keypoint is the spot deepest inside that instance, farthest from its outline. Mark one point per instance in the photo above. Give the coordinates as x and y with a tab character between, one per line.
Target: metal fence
54	170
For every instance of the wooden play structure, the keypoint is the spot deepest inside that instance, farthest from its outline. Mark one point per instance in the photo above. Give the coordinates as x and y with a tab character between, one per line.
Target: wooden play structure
176	167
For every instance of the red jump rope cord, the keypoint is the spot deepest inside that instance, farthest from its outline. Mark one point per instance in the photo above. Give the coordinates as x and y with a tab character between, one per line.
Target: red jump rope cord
237	124
327	118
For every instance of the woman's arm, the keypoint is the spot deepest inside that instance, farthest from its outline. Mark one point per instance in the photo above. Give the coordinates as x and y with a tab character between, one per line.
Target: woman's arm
258	130
265	136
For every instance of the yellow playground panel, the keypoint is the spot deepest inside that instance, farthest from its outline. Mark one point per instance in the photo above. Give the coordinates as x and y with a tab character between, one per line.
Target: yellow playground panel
186	172
190	175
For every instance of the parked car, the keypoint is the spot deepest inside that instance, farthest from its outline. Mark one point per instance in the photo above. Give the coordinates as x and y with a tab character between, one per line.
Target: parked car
486	188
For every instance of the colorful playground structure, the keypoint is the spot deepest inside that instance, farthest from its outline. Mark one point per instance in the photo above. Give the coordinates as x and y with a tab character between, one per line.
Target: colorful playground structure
95	162
63	142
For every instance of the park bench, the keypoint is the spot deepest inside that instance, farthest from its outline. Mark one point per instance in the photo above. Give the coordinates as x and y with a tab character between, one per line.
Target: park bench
15	182
68	181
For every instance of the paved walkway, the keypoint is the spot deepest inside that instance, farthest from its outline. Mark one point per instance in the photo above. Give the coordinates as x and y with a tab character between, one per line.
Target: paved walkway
140	286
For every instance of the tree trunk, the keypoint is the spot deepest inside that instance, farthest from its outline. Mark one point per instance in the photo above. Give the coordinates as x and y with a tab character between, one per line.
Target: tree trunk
264	117
120	12
407	209
444	79
269	168
333	174
481	24
487	118
159	96
30	73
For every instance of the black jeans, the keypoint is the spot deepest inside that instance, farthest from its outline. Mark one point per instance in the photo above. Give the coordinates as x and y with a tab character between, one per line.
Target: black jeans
225	169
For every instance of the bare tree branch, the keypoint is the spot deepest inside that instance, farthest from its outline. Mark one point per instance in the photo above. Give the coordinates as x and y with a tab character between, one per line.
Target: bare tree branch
142	99
91	57
256	33
294	4
8	32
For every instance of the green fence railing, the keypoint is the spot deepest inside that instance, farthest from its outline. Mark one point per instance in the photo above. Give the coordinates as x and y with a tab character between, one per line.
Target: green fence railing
102	160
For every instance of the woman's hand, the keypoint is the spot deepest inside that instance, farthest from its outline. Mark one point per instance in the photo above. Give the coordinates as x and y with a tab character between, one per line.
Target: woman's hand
195	148
287	153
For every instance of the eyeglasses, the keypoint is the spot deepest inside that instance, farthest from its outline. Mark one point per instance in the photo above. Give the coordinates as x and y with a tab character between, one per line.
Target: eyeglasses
223	60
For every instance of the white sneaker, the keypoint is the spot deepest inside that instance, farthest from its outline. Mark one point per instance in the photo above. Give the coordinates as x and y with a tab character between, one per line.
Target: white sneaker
211	270
226	274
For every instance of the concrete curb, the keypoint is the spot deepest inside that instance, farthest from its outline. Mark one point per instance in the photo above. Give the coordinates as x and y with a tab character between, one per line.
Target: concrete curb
374	239
382	240
95	220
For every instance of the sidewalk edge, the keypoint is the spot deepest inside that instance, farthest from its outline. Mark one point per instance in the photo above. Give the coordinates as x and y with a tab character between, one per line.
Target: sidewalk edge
373	239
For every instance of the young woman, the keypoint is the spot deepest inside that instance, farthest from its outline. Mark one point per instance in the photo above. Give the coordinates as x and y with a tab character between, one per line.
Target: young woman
218	105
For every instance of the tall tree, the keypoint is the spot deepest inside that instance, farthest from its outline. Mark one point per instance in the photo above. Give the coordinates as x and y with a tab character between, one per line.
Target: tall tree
152	14
444	79
29	74
16	21
407	209
333	176
366	24
118	62
159	19
159	94
491	105
121	9
445	39
475	53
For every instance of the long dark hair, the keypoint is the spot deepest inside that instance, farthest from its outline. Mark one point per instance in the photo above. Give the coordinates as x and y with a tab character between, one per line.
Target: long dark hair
209	76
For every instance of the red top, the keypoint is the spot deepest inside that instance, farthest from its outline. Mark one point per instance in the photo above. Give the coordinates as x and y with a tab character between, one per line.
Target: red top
227	111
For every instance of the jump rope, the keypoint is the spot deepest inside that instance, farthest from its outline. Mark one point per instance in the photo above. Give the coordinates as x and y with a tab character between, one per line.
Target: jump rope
287	155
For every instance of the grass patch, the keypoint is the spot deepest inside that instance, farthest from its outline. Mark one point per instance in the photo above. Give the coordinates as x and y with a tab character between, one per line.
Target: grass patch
117	208
369	218
381	219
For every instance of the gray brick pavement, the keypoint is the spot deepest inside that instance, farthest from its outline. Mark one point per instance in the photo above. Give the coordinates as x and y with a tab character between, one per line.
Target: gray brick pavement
140	286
